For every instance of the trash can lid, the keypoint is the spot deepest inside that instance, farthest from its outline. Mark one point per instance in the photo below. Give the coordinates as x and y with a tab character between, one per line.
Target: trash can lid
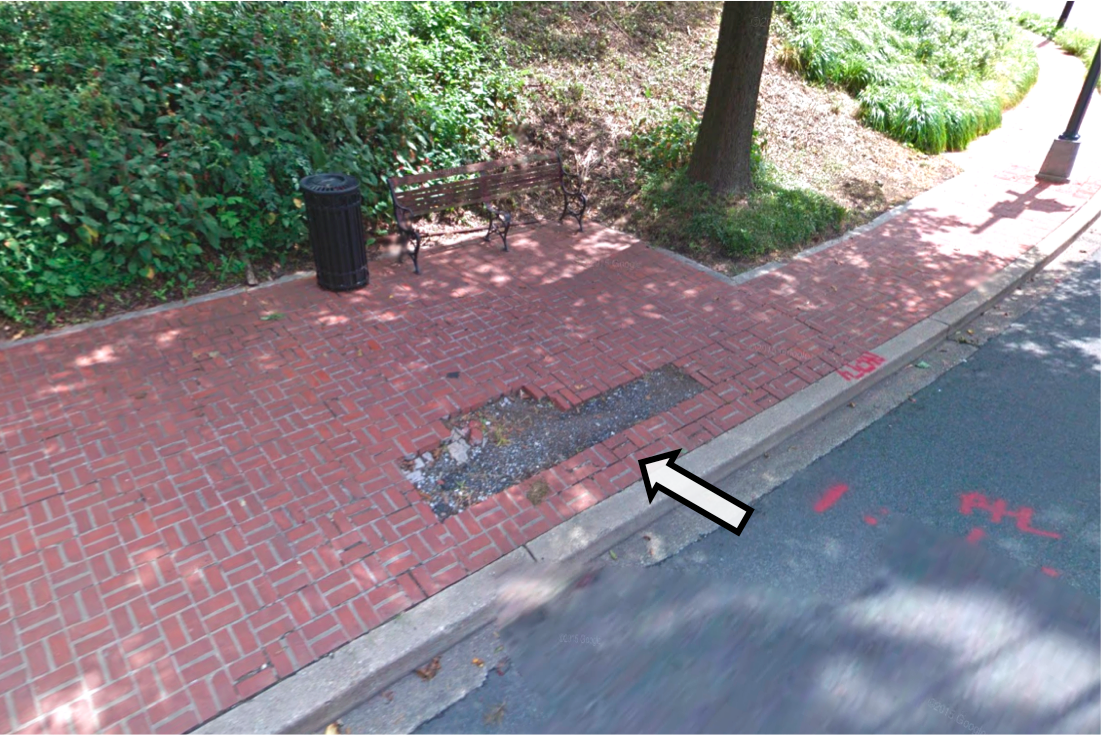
329	183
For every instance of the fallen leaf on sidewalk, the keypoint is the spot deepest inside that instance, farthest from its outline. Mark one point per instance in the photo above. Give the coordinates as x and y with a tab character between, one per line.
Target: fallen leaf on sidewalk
921	364
335	728
478	662
429	671
493	717
503	666
274	316
389	696
612	554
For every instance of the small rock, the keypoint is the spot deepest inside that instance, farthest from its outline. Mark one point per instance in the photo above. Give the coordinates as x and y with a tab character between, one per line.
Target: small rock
459	451
476	435
457	434
416	477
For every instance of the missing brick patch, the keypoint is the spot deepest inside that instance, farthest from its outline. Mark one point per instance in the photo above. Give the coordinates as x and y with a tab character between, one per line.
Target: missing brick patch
514	438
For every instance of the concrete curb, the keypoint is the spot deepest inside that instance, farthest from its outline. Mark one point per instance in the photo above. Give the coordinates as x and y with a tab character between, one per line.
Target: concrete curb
321	692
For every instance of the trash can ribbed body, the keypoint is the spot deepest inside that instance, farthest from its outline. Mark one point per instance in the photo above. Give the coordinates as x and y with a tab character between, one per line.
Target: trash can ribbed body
335	220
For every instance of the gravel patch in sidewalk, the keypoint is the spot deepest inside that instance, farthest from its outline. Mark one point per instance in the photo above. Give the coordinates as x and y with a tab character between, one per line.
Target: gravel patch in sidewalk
513	438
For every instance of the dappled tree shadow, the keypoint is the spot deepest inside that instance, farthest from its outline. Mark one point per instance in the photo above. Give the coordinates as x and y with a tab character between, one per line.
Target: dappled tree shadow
279	409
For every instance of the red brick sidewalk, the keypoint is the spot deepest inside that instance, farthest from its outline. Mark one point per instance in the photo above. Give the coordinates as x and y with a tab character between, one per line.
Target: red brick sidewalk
196	503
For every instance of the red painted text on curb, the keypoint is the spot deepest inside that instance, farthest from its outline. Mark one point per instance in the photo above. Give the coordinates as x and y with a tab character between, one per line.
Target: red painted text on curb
861	366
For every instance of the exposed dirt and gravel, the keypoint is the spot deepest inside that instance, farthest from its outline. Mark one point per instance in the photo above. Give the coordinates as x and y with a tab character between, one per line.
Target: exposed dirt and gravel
511	439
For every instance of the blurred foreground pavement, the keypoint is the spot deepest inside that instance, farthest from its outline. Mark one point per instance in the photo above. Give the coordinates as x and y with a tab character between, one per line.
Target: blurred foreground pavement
951	637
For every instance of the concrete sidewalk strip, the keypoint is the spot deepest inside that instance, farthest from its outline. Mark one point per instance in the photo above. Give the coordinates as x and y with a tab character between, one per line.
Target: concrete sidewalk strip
323	691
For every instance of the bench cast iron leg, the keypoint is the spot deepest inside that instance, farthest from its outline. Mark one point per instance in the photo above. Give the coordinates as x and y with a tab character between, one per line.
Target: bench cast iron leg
576	212
501	229
405	238
415	253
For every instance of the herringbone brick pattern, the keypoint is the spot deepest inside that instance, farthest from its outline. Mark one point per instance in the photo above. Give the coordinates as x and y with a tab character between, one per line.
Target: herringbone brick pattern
198	502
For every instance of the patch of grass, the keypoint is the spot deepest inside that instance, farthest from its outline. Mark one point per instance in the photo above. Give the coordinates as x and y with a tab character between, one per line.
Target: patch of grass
934	75
678	213
682	214
1074	41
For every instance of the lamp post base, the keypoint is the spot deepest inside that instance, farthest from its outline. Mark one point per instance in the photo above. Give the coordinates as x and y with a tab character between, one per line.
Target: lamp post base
1059	162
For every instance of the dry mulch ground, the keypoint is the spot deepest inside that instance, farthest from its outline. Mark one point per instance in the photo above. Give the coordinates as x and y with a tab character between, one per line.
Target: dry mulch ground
599	71
602	70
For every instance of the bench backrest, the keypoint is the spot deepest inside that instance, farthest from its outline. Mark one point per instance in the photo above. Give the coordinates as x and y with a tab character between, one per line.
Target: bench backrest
478	183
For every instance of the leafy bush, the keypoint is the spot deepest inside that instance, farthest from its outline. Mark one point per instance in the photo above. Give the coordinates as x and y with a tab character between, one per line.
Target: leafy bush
145	139
935	75
666	144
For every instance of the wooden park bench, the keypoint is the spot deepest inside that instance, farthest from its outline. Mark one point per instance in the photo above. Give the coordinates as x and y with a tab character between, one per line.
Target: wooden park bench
481	183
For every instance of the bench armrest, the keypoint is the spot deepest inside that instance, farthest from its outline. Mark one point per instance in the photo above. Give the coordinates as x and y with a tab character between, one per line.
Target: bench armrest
574	187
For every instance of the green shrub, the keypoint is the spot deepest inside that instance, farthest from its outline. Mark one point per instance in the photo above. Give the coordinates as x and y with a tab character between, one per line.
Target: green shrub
1072	40
771	218
676	211
935	75
144	139
1036	23
666	144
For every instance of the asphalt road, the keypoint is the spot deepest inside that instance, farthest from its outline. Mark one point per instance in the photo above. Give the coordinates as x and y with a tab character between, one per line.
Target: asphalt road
938	572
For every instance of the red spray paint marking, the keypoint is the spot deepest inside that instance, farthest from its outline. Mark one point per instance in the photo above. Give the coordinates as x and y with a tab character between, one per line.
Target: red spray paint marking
970	502
861	366
1050	572
975	535
872	520
830	497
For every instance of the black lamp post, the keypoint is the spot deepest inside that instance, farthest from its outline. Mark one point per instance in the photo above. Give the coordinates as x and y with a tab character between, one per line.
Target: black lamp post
1064	15
1060	158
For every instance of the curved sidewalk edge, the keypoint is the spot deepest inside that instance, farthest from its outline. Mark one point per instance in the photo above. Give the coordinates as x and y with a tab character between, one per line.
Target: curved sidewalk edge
323	691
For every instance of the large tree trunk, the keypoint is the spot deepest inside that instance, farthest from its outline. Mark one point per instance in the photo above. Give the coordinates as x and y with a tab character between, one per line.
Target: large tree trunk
721	156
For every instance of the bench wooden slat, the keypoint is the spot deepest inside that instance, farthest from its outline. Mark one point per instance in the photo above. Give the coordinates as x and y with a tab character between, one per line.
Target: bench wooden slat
475	191
494	180
478	183
399	181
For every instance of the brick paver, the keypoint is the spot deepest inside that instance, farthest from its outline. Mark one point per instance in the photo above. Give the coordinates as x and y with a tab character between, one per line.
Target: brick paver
197	503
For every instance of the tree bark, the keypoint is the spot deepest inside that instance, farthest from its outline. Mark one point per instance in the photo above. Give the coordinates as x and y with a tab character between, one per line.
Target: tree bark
721	156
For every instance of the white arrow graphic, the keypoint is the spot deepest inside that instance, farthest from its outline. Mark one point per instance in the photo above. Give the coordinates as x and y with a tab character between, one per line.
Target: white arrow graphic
661	473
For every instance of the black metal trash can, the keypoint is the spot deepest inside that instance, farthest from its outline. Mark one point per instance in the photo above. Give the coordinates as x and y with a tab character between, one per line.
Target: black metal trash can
335	219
